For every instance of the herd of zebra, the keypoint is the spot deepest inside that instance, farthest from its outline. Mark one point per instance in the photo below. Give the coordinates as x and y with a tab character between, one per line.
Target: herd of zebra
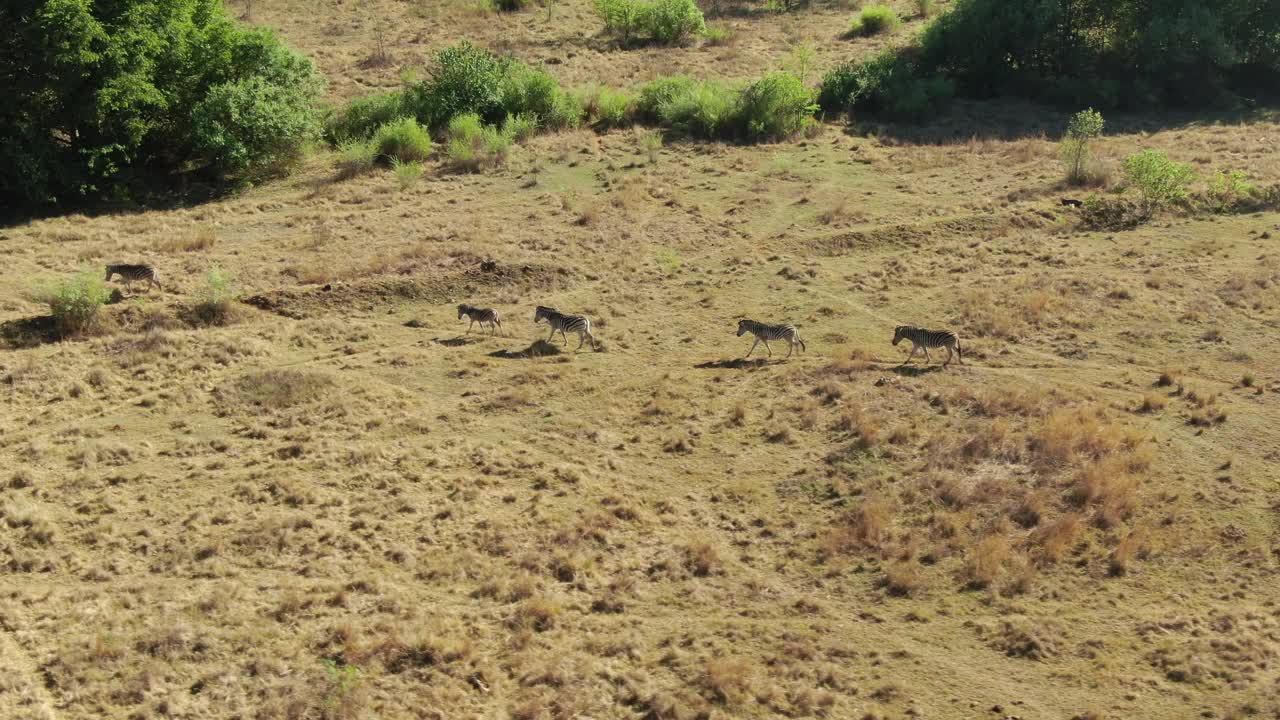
565	323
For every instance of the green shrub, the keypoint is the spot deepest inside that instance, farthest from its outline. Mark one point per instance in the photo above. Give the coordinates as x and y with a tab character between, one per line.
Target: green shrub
716	36
213	304
1229	189
407	172
774	107
356	157
1083	128
474	145
672	21
873	20
665	22
74	302
566	112
608	108
462	79
1157	179
520	127
364	115
102	97
658	92
887	84
404	140
700	109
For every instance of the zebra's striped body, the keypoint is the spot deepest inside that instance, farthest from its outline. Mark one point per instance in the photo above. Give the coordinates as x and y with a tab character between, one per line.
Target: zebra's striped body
765	333
922	339
563	323
134	273
480	315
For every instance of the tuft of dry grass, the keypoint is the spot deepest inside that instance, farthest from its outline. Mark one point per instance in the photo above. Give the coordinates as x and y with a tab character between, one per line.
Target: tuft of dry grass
866	527
985	560
904	579
200	238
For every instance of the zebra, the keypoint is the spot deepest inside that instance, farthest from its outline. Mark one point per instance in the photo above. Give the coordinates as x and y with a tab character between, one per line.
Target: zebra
134	273
922	339
480	315
562	322
765	333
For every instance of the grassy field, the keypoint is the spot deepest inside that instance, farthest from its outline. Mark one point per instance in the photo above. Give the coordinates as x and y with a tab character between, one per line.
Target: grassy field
339	505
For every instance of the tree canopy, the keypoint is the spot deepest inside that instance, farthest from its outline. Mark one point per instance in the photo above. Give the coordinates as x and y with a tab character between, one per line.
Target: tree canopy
101	95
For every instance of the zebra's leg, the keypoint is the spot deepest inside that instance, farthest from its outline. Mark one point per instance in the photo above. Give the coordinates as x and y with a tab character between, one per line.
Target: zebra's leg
473	322
753	347
565	337
552	335
581	336
948	360
914	347
927	359
959	354
791	345
802	347
766	347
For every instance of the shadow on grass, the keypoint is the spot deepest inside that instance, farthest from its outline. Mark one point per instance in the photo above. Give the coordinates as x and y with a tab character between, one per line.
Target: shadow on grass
459	341
916	370
29	332
736	364
540	348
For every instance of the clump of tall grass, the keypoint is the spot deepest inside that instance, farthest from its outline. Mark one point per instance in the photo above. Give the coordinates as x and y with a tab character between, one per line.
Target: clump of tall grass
474	145
873	20
73	302
402	140
214	303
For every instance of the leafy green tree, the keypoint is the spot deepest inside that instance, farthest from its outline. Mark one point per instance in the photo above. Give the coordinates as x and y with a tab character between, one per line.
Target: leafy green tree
100	96
1084	127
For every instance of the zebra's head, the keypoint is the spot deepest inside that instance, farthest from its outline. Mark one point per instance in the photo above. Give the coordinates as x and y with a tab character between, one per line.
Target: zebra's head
462	310
111	270
542	312
899	333
742	327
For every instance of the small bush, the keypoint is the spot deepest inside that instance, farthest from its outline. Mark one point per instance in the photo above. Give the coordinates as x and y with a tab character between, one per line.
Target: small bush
520	126
363	116
703	109
255	126
474	145
75	301
356	157
659	92
1159	180
608	108
463	79
873	20
402	140
1227	190
1083	128
717	36
650	142
213	305
407	173
775	107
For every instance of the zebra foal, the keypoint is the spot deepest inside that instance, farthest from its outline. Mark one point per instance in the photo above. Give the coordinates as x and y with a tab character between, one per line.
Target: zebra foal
134	273
562	323
922	339
765	333
480	315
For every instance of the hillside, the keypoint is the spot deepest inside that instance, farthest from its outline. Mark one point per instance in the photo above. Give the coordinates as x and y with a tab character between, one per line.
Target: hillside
339	504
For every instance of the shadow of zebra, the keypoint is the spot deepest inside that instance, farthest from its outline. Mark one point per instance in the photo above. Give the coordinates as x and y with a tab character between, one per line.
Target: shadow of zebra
735	364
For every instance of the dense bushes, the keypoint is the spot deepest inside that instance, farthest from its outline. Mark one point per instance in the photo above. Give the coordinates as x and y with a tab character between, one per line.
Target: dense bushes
474	145
101	96
776	106
1158	180
889	83
666	22
463	79
773	107
1107	52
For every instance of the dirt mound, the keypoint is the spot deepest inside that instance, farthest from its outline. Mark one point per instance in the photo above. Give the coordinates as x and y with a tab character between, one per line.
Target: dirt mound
909	234
372	293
